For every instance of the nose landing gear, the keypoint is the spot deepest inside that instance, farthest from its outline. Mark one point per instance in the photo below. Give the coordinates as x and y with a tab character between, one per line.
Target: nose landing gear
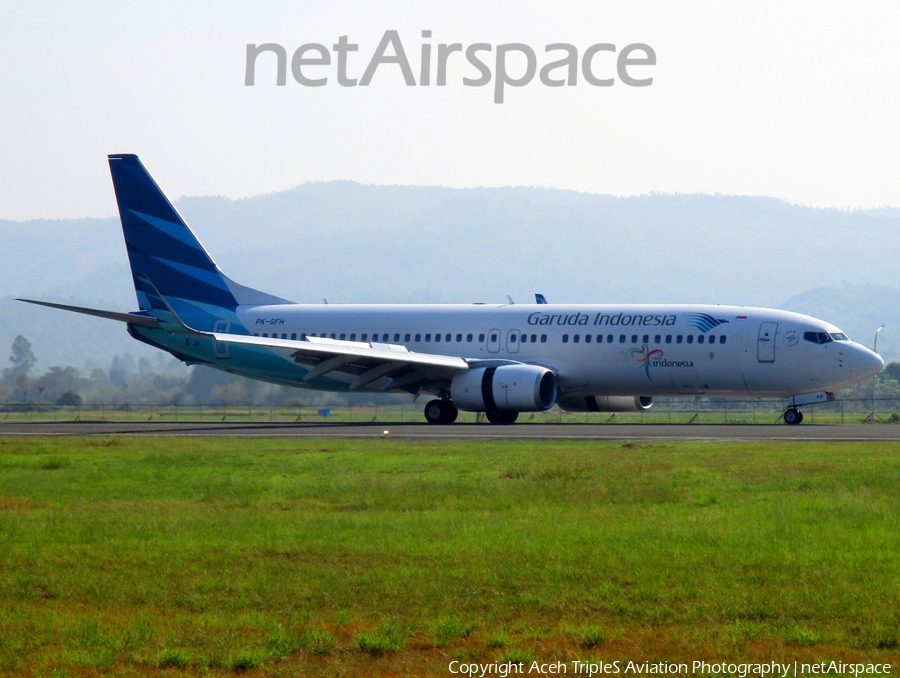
793	416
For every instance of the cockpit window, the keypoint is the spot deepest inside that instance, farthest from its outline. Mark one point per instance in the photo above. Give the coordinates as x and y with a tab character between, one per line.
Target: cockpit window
839	336
820	337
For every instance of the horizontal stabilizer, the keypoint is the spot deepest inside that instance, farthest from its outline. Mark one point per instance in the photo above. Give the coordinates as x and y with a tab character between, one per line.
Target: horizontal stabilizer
142	319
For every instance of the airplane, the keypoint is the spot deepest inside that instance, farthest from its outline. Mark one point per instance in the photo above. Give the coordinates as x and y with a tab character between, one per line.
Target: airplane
499	359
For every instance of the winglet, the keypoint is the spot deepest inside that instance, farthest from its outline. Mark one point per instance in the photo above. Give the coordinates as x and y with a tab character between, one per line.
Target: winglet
178	321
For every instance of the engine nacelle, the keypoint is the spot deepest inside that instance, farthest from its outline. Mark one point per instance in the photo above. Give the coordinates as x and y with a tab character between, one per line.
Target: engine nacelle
607	404
508	388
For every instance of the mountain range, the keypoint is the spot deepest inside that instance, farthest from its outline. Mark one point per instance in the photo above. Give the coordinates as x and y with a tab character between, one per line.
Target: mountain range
347	242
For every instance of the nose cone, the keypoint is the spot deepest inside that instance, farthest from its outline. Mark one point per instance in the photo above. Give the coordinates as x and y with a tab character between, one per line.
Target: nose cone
865	363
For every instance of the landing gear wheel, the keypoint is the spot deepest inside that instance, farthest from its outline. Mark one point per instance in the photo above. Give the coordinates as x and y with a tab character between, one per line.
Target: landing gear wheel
440	412
501	416
793	416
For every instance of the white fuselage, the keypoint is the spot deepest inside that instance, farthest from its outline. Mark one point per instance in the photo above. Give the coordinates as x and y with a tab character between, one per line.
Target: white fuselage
615	349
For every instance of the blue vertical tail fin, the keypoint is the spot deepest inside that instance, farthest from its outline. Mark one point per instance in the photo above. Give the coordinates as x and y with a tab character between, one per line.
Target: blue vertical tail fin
162	249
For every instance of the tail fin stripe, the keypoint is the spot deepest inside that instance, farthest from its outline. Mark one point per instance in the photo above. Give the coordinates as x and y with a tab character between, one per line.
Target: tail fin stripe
173	230
176	282
152	241
207	277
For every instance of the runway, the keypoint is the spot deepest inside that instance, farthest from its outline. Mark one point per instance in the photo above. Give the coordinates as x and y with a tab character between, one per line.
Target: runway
846	432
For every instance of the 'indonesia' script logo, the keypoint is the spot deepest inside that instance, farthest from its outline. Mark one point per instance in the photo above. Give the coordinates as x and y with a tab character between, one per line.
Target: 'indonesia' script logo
646	358
643	356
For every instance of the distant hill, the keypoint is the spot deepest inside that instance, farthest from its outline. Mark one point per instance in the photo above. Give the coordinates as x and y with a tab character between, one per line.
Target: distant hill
353	243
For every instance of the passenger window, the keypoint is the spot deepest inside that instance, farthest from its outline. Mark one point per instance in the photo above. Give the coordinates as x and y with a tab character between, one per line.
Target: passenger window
657	339
722	339
427	337
646	339
668	338
633	338
699	338
576	338
480	338
513	338
418	337
712	338
266	334
256	334
293	336
587	338
565	338
332	335
449	337
524	339
437	337
469	338
543	338
303	336
690	338
599	338
621	338
458	338
365	336
533	338
678	339
396	337
406	337
609	338
343	336
494	337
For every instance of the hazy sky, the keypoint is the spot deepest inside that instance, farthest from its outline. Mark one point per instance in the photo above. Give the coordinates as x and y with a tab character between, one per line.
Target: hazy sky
797	100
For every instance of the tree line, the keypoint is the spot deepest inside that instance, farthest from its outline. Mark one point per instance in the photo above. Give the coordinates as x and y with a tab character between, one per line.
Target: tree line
130	380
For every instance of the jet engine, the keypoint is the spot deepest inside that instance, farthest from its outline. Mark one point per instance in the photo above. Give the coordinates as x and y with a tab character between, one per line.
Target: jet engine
607	404
508	388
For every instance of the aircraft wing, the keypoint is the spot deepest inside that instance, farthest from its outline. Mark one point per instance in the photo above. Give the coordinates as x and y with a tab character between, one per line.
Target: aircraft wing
365	362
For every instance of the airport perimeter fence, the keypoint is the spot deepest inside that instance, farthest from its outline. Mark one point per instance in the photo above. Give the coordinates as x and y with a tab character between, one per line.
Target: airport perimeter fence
664	411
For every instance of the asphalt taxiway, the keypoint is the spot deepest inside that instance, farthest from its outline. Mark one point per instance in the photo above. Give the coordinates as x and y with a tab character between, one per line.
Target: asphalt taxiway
848	432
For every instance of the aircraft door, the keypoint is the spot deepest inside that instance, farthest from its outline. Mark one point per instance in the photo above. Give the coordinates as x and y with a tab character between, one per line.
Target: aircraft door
512	341
221	348
493	344
765	343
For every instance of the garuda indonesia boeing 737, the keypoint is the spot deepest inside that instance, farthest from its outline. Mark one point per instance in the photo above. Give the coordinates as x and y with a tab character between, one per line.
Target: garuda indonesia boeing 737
496	359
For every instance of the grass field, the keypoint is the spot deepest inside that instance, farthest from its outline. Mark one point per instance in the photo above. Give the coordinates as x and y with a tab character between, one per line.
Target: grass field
166	556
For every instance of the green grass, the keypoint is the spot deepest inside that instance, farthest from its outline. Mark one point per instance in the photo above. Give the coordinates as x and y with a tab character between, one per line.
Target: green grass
131	556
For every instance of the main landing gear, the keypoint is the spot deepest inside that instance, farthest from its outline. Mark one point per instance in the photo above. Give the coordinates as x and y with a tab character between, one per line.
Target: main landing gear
445	412
793	416
501	416
440	412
